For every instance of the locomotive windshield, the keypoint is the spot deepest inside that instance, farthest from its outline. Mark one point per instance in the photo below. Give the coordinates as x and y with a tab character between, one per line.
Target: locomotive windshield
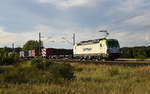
113	44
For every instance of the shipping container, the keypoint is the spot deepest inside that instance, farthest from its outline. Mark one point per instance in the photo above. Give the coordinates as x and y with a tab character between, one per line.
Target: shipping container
56	53
26	54
35	53
46	52
30	53
21	53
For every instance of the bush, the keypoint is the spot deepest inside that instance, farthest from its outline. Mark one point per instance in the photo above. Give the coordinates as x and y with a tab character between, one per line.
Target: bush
40	63
26	75
65	71
58	70
40	71
11	59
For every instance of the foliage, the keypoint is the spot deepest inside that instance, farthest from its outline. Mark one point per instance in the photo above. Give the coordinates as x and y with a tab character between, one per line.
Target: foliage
41	64
61	70
11	58
40	71
31	45
135	52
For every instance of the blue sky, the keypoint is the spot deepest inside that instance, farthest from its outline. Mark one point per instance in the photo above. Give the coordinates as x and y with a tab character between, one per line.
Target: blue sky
126	20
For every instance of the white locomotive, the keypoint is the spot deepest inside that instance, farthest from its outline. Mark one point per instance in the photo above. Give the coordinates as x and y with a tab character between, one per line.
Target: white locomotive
97	49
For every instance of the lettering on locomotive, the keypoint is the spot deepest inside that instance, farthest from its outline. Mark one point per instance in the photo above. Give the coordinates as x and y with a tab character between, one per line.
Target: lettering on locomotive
87	49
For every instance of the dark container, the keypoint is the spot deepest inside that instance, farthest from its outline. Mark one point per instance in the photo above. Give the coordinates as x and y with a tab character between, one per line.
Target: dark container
26	54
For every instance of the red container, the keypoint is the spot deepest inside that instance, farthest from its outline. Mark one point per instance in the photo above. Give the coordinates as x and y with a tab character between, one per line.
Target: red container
47	52
35	53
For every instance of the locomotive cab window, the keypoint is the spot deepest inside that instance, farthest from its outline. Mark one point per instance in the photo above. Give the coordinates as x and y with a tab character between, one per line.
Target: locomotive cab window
113	44
100	45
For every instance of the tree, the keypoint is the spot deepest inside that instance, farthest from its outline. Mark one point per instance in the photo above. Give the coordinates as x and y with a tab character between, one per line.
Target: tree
31	45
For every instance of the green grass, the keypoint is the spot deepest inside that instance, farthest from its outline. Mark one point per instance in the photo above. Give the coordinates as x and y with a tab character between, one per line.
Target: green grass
133	59
91	79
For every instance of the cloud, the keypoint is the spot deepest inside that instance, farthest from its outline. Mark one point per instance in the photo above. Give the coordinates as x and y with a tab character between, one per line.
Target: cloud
140	20
130	5
6	37
126	21
69	3
127	8
129	37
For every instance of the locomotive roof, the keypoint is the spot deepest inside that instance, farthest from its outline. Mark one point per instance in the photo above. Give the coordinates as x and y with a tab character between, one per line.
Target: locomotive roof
92	41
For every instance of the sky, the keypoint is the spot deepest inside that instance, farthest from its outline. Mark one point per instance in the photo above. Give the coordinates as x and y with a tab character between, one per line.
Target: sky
125	20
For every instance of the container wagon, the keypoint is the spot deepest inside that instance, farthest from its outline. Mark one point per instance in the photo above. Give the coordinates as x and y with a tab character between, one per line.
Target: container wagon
56	53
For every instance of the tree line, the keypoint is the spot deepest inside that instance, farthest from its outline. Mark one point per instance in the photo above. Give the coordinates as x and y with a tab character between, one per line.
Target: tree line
135	52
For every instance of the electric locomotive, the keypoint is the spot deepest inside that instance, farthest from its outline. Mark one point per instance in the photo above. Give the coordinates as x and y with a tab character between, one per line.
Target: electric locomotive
97	49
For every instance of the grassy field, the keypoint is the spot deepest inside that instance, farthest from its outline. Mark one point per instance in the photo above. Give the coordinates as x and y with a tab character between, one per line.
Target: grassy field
90	79
133	59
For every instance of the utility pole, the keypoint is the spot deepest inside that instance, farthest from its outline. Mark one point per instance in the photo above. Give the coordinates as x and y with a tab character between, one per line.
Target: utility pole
74	39
13	46
74	42
39	43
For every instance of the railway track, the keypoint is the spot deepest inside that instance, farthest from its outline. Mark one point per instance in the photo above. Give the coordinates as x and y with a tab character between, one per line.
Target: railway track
117	62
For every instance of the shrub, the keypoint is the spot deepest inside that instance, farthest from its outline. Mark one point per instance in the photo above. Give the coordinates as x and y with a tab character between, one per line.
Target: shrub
41	71
63	70
40	63
9	59
25	75
58	70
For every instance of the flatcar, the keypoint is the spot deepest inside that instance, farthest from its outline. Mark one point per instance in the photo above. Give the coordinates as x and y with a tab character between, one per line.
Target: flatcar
97	49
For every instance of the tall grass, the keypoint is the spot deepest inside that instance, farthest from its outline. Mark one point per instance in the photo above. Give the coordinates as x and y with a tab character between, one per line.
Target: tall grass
91	79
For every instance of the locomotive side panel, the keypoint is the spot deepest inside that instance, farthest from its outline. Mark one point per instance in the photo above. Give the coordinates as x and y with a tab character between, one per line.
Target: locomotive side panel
91	49
86	49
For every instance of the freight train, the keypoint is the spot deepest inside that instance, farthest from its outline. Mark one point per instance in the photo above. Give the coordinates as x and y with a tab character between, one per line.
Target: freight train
91	49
